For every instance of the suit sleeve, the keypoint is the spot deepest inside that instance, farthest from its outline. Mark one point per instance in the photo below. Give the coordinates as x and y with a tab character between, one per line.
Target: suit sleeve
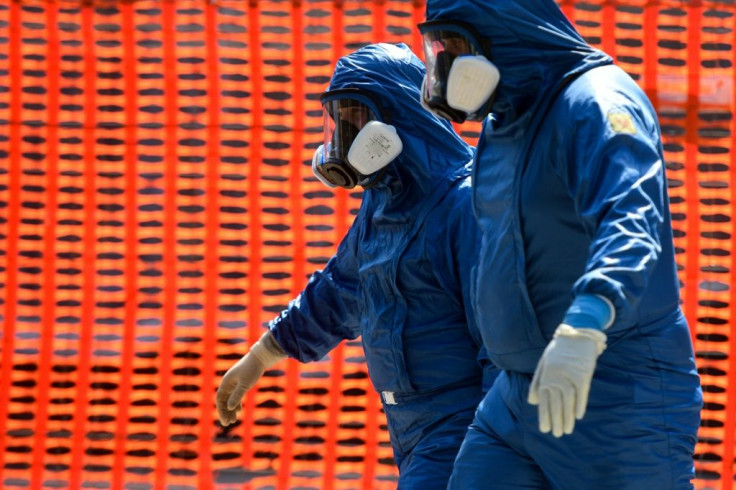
326	312
616	178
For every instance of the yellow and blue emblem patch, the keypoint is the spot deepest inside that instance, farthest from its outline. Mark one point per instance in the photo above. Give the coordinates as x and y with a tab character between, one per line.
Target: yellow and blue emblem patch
621	122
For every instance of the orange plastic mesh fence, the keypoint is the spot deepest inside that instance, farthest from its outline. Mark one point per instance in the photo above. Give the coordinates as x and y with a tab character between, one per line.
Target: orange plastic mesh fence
157	208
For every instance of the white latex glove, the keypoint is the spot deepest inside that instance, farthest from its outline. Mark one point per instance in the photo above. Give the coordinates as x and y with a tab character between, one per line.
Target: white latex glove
244	374
561	382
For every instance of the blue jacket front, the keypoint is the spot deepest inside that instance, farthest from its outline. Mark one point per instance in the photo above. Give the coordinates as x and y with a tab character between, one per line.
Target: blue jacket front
400	277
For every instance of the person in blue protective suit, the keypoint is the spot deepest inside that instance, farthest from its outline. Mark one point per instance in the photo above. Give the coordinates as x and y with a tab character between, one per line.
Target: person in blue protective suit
576	290
400	277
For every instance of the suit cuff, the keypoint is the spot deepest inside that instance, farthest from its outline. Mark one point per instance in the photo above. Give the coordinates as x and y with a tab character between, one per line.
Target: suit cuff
590	311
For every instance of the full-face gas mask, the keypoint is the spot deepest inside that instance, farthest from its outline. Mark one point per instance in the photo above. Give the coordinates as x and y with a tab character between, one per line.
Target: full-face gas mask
460	78
358	144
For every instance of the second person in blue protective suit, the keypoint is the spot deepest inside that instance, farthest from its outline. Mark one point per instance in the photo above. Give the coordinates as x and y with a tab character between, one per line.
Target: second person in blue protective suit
577	295
400	277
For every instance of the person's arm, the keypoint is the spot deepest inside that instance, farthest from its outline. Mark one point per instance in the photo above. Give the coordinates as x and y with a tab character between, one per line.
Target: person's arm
326	312
323	315
614	170
618	183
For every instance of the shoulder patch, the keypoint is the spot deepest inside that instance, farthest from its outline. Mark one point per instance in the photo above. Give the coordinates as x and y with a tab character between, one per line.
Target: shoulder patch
621	122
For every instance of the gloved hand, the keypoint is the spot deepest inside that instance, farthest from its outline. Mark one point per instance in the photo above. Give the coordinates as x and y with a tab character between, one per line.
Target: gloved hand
561	382
244	374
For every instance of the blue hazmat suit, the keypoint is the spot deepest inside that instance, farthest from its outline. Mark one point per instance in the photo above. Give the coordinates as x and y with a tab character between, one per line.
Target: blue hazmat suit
400	278
570	193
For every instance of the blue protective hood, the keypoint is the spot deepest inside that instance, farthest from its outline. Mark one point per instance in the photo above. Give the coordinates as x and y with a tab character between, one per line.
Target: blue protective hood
531	42
432	150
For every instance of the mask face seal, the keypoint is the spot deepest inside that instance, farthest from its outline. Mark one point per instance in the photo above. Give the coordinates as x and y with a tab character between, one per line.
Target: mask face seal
460	79
318	167
358	145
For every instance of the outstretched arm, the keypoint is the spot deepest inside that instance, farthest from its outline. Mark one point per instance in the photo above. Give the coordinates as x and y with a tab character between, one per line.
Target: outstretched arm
325	313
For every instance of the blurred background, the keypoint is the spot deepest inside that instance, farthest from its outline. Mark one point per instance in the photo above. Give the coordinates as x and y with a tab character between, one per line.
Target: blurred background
157	208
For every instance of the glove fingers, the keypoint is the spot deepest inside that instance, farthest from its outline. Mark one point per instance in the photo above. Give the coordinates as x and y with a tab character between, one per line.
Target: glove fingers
223	393
222	414
236	397
568	415
533	397
556	408
545	423
582	399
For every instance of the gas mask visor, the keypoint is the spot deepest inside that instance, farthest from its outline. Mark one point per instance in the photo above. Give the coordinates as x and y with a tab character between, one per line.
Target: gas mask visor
460	79
358	144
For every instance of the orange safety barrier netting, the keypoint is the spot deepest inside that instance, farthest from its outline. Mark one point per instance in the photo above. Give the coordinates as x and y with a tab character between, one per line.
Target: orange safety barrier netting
157	208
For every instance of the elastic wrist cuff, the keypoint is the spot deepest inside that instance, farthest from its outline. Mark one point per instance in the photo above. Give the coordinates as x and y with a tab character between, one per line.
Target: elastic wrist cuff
590	311
267	350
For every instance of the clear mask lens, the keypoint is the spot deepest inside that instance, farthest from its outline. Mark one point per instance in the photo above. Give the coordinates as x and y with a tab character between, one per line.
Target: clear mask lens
343	120
442	46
